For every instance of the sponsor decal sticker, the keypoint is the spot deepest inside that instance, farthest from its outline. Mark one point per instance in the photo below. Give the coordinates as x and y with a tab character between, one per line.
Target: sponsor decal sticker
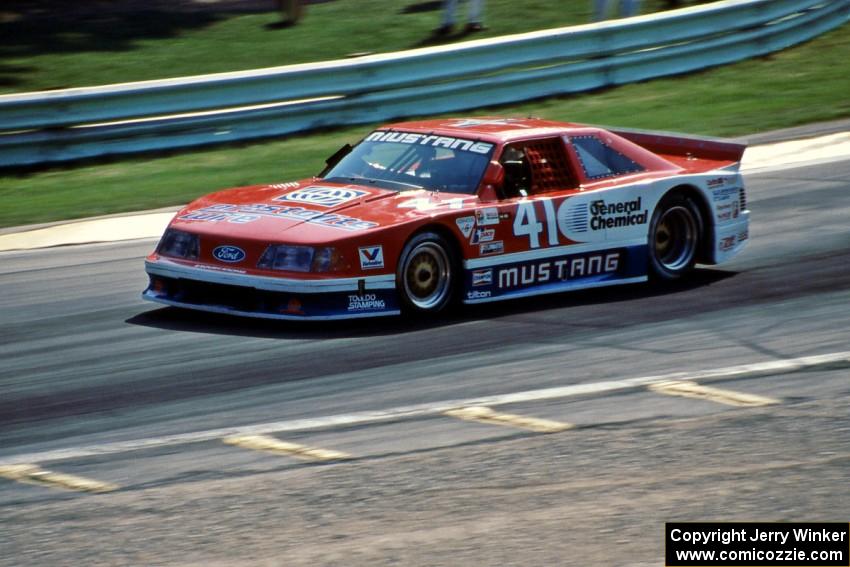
488	216
483	235
716	182
219	269
482	277
242	214
728	210
371	257
288	185
491	248
726	193
727	203
724	211
617	214
365	302
477	294
430	140
342	222
229	254
728	243
293	306
465	225
558	270
322	196
218	214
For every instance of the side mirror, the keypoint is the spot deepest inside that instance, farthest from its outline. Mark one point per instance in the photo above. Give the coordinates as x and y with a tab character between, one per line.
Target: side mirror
335	158
491	183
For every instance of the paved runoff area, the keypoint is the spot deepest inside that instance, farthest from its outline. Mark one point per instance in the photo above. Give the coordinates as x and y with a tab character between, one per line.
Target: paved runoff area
757	158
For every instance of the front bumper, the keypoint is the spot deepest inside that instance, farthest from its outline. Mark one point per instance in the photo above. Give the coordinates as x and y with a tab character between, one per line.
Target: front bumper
211	289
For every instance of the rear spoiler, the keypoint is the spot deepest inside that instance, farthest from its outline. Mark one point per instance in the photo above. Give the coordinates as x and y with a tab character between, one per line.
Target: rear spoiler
672	144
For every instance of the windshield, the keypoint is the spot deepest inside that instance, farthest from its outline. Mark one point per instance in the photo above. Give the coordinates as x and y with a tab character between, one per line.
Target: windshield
404	160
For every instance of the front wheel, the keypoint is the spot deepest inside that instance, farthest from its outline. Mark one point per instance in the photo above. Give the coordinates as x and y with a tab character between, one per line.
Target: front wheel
425	277
674	235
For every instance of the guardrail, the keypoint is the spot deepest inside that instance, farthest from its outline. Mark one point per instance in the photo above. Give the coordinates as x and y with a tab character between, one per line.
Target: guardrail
158	115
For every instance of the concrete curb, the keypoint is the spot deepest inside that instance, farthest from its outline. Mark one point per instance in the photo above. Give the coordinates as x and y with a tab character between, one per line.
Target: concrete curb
38	226
112	229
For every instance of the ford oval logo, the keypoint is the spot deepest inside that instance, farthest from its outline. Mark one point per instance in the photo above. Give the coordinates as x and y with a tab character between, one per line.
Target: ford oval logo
229	254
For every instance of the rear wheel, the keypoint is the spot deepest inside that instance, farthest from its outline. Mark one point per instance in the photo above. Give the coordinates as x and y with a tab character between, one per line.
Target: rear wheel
426	274
674	235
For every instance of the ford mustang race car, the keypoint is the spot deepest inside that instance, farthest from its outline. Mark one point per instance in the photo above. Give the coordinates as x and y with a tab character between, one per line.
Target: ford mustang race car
421	215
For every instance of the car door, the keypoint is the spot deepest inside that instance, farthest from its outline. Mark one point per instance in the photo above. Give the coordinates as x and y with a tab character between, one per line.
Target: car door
539	182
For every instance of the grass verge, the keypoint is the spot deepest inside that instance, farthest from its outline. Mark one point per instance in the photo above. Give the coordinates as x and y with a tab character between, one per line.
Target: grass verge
797	86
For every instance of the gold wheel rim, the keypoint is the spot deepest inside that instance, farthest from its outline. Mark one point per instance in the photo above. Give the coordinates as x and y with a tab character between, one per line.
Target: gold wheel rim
427	276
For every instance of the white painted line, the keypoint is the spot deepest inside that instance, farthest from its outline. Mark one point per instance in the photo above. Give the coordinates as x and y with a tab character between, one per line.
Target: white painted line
482	414
752	370
33	474
689	389
274	445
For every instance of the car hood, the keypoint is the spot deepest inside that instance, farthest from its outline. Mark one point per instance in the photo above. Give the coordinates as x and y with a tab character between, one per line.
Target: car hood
310	211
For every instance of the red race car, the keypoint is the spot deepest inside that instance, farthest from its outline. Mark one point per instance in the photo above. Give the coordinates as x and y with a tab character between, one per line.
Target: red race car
421	215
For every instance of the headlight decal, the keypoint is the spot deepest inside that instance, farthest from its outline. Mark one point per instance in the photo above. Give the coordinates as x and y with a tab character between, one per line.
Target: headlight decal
327	259
179	244
291	258
287	258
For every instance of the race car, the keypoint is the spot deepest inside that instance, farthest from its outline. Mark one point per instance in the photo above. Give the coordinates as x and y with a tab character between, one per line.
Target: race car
420	216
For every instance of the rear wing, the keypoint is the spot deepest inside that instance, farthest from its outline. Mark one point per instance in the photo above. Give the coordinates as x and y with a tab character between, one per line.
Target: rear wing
724	153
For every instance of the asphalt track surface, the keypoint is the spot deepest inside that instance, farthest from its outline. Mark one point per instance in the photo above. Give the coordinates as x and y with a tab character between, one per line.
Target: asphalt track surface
85	363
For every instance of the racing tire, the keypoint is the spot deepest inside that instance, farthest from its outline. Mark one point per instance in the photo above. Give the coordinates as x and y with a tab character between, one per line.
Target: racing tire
426	274
674	237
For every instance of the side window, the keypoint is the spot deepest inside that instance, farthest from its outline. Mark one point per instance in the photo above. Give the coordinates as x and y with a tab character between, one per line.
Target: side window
536	167
600	160
517	171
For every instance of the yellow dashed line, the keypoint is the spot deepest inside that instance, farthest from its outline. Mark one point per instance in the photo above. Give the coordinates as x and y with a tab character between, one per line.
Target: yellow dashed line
693	390
33	474
487	415
273	445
